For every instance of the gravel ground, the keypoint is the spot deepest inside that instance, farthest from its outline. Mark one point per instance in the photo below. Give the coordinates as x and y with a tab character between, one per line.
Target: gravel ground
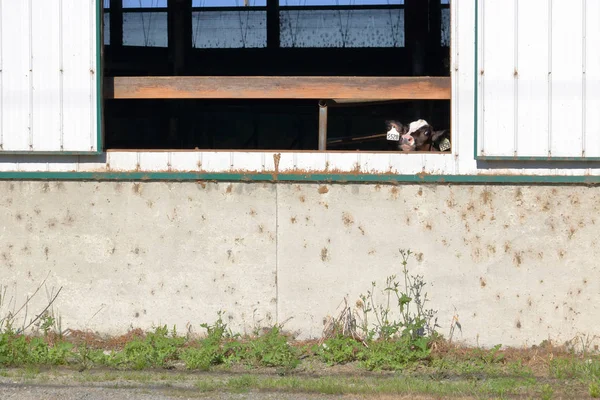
47	392
63	384
78	392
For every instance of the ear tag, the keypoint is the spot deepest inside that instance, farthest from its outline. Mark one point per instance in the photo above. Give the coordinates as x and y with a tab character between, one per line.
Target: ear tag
445	144
393	135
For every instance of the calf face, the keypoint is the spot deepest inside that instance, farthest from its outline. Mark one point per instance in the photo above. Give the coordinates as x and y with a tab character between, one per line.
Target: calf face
420	136
417	137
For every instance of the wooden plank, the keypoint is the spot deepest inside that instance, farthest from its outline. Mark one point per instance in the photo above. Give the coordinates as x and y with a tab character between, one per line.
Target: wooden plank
278	87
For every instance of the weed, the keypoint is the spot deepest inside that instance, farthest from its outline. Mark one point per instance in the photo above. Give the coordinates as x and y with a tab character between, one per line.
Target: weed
414	322
573	367
395	354
339	350
272	350
594	389
155	350
546	392
215	349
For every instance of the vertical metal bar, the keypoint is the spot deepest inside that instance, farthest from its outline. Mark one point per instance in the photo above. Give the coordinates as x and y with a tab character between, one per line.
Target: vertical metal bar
273	24
116	24
322	125
180	33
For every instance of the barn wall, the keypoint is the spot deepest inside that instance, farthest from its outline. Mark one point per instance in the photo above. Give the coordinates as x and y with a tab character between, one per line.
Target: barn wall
516	264
49	76
531	104
539	82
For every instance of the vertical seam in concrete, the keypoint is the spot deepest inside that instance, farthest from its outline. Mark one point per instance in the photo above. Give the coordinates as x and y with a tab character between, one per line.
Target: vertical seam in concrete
276	253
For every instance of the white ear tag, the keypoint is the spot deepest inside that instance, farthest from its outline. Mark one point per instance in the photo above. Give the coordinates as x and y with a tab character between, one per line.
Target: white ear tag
445	144
393	134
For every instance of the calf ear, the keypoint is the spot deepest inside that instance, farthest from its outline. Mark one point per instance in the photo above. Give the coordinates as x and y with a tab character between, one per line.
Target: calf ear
438	135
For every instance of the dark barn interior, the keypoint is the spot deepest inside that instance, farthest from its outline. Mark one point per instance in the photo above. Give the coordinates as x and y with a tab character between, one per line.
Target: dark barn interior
272	38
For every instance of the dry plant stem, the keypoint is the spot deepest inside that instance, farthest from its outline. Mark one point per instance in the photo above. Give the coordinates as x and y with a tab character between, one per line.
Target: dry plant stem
42	313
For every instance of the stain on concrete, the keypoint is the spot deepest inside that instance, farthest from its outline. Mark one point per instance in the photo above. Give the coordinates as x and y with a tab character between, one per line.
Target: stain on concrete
518	258
325	254
347	219
137	188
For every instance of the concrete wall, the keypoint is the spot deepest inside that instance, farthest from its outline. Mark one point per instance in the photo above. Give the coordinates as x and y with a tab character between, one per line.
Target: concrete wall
517	264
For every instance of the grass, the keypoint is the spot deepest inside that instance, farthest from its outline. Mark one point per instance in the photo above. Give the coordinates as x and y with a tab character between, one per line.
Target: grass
371	384
389	356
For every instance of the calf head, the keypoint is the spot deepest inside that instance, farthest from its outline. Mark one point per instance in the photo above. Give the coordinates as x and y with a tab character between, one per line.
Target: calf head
420	136
417	137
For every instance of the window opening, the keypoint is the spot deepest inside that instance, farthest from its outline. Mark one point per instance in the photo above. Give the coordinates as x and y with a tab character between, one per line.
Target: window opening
395	51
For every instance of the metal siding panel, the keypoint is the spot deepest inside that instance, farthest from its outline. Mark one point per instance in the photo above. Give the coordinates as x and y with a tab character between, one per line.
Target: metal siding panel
592	79
185	161
79	94
16	83
374	163
46	75
498	78
154	160
312	162
122	161
567	79
216	162
246	161
438	163
344	162
532	68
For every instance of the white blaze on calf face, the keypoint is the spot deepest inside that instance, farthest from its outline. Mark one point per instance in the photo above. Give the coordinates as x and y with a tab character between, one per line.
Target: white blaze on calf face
416	125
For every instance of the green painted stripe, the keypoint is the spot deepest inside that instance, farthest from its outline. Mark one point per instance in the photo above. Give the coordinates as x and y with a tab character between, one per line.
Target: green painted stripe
549	159
318	177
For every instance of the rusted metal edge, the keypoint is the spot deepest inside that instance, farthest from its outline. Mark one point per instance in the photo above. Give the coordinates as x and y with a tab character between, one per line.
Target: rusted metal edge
307	177
278	87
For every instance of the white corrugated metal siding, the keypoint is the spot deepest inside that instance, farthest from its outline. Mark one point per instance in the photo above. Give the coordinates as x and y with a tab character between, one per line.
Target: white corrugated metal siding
539	78
48	76
532	114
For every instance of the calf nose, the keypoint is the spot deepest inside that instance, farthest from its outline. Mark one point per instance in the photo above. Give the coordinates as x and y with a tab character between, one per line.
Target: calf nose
407	139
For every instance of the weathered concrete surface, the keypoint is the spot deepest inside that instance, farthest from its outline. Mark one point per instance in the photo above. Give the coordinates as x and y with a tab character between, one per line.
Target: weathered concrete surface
516	264
135	254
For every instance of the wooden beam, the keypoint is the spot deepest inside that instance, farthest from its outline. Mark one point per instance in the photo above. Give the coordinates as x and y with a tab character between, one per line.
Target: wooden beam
278	87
